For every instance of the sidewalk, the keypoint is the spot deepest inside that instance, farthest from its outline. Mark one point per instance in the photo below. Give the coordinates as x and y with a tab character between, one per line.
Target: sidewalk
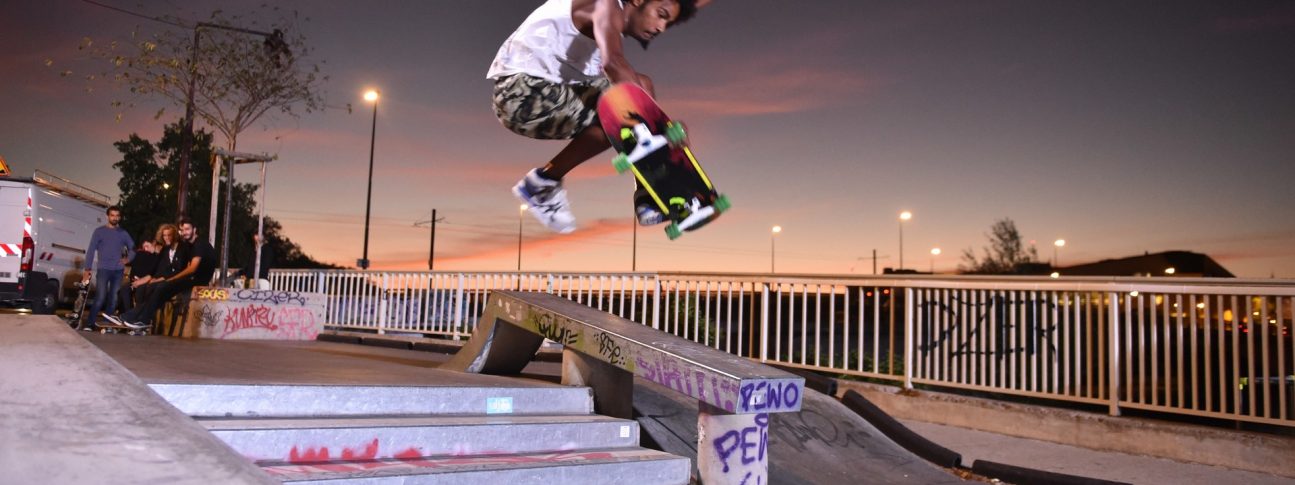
1071	460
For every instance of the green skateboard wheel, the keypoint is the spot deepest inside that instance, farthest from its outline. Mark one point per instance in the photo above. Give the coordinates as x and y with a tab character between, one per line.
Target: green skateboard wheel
672	231
722	204
621	163
674	132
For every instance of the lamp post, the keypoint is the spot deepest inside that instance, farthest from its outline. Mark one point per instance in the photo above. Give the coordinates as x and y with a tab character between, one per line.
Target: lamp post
903	216
1057	245
934	252
772	238
372	97
274	46
521	211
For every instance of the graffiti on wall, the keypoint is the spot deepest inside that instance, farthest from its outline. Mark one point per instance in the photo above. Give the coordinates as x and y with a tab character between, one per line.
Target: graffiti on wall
256	314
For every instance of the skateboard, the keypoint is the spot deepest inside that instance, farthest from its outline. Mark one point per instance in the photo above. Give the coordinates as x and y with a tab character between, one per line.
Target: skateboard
109	327
78	308
656	149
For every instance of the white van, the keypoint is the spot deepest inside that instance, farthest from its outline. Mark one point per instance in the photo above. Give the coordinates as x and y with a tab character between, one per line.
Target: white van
45	225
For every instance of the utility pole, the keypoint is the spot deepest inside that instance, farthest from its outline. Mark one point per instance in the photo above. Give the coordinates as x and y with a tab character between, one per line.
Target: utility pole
431	251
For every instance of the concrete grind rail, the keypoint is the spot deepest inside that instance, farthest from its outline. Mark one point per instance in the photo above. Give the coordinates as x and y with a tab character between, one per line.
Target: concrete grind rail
728	382
735	397
74	415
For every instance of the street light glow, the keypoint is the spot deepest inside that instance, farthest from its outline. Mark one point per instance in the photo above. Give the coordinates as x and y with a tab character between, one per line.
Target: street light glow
935	252
521	208
1061	243
371	95
906	215
777	229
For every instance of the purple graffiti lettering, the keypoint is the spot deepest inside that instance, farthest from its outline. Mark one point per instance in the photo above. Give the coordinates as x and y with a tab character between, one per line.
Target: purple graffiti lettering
783	395
752	442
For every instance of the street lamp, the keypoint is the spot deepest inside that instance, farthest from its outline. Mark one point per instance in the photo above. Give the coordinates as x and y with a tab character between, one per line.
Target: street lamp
372	97
776	230
275	47
1058	244
521	211
934	252
903	216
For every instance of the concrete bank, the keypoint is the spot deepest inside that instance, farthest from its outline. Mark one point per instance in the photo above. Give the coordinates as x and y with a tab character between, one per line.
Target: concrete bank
71	414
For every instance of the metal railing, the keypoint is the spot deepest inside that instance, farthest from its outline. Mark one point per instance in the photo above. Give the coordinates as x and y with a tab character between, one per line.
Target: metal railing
1218	348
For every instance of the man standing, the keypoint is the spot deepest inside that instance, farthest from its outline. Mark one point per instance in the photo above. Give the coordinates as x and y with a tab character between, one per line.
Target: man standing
198	271
115	249
259	280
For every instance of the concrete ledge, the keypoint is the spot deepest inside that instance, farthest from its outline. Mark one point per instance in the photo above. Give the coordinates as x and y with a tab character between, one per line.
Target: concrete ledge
515	324
227	313
71	414
1174	441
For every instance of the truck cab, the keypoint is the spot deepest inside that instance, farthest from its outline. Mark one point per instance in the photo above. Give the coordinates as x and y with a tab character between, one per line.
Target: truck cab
45	225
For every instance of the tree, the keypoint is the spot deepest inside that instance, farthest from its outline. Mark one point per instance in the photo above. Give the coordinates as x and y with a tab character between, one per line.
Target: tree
148	199
1005	254
238	75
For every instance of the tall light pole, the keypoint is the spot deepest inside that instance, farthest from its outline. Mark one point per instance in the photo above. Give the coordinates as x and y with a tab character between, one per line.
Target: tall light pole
521	211
772	238
903	216
1058	244
934	252
372	97
275	47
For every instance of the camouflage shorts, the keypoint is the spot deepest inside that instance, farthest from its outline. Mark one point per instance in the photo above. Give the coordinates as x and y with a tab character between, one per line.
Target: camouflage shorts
539	108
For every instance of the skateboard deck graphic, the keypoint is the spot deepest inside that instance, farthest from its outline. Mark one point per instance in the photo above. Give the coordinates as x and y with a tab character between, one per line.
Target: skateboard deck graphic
655	148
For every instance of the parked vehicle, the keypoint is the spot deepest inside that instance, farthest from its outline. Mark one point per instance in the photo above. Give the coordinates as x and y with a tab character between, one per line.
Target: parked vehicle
45	225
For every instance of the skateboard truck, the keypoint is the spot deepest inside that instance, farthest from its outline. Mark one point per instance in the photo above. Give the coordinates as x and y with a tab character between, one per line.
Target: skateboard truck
646	143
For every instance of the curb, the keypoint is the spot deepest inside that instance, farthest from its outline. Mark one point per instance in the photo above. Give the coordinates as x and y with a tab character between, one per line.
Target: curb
941	456
1030	476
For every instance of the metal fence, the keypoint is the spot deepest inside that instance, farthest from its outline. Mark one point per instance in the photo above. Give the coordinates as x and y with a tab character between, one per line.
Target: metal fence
1204	347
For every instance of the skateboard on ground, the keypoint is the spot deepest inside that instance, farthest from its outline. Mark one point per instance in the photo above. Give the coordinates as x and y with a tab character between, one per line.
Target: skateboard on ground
78	308
655	148
109	327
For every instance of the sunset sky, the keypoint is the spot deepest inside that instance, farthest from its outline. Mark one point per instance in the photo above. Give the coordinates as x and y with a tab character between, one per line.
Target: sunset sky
1120	126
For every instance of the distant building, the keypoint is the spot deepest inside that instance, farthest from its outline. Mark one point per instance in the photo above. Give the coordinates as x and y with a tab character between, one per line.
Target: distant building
1167	264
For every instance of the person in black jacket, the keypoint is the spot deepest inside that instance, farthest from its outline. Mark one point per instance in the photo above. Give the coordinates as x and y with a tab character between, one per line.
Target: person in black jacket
262	279
141	267
198	270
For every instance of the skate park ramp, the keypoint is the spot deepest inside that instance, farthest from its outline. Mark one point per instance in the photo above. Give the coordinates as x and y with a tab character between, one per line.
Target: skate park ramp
824	443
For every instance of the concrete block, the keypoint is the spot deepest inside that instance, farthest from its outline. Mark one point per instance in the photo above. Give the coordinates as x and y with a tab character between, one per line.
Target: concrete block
230	313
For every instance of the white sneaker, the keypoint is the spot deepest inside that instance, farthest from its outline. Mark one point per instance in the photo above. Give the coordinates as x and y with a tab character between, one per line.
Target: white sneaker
648	215
547	200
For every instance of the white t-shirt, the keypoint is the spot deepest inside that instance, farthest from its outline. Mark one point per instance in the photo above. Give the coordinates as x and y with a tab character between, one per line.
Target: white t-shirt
548	46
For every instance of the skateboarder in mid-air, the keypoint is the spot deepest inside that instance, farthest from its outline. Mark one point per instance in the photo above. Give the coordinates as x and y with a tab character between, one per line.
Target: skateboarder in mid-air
548	76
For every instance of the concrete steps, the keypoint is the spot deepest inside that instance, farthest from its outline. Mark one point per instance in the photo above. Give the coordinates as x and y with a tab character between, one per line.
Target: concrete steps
628	465
200	400
296	440
415	435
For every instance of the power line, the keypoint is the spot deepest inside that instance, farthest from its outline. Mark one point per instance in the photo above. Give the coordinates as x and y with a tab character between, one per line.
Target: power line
136	14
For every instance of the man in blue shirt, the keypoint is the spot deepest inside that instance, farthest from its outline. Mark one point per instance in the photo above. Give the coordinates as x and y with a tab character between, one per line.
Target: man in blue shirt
114	249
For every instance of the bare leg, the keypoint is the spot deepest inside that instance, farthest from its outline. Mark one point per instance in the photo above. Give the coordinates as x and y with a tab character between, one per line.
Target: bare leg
586	145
